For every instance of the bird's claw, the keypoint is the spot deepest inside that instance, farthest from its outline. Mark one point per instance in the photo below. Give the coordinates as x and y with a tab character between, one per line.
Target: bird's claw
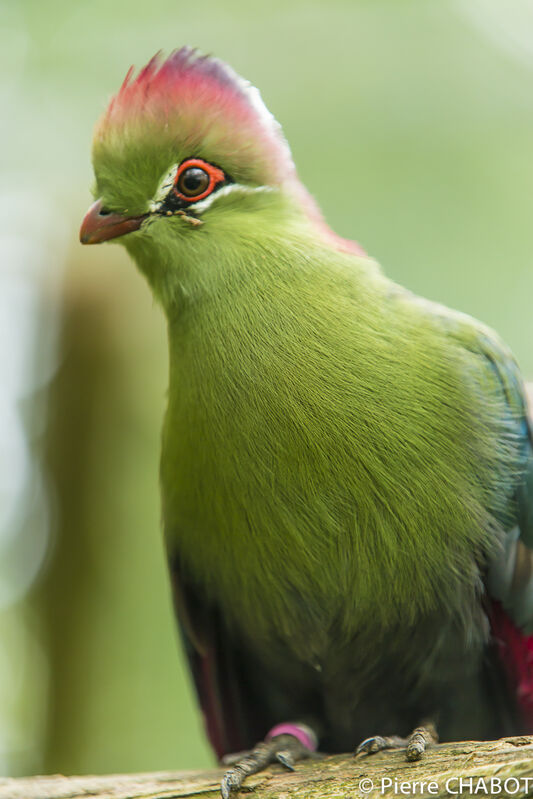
231	781
415	745
419	740
377	743
283	749
369	746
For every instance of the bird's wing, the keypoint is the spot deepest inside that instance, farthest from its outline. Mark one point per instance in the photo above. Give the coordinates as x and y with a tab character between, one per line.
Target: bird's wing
510	572
509	577
226	676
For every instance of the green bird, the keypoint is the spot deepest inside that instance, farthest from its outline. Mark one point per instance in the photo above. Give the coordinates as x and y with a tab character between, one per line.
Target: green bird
346	470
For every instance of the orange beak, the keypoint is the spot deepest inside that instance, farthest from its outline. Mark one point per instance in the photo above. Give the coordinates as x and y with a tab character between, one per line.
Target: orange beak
98	226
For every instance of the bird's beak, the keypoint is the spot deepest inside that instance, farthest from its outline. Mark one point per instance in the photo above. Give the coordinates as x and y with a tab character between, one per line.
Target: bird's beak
98	226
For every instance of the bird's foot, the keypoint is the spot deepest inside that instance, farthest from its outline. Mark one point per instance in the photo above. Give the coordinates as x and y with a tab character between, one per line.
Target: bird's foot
415	745
285	744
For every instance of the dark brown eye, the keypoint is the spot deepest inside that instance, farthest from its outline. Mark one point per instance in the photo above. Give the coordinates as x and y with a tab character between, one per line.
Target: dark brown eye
193	181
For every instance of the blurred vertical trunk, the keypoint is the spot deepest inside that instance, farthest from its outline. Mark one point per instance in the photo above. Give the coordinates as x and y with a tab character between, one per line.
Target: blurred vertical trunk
119	695
86	386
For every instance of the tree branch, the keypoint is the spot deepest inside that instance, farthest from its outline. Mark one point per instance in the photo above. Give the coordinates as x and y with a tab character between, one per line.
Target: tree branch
508	763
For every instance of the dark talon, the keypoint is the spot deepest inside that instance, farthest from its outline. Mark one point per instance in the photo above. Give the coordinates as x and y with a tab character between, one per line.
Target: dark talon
286	759
370	745
377	743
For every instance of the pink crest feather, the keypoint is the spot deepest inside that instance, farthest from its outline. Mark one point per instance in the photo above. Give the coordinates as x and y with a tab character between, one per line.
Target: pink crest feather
200	93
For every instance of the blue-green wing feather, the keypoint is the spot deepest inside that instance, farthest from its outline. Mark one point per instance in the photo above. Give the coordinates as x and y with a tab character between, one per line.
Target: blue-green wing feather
509	577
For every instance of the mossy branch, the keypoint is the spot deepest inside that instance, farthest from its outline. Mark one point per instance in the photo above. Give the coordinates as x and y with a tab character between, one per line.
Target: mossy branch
498	768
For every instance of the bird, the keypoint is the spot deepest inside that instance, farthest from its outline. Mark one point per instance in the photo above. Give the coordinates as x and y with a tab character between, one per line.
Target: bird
346	468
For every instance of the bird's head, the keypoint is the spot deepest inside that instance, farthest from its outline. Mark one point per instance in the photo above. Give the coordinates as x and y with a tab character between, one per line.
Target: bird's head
185	148
182	139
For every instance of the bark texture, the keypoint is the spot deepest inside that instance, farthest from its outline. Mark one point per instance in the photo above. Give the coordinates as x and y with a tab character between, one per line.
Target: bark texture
492	768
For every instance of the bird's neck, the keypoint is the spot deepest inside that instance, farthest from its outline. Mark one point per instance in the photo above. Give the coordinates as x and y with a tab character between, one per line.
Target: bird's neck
257	288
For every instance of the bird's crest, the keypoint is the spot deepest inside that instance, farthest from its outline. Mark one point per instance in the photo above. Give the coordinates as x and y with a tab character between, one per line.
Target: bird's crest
199	100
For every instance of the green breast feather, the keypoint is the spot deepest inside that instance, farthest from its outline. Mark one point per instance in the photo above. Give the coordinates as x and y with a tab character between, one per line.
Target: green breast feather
337	438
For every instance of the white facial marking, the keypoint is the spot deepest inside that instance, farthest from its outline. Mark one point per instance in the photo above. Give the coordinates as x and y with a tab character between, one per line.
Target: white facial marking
230	188
167	181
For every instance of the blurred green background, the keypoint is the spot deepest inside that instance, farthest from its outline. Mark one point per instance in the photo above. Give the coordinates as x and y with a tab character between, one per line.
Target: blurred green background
412	124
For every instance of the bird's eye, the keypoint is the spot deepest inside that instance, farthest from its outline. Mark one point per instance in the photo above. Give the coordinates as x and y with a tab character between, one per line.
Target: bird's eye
196	179
193	181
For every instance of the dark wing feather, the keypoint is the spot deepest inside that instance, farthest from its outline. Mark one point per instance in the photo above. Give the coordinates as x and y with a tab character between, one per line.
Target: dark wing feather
510	575
509	581
509	578
222	669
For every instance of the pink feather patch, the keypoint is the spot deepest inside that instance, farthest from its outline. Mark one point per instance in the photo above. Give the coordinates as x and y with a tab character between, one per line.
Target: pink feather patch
515	650
168	82
200	93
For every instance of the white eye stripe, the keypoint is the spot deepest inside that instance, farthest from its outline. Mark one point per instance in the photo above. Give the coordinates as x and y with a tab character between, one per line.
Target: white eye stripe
230	188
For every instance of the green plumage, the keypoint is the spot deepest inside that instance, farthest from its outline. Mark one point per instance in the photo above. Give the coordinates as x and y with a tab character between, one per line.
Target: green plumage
331	441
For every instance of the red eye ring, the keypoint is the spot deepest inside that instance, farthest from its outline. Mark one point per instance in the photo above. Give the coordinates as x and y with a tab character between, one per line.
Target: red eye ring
215	175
